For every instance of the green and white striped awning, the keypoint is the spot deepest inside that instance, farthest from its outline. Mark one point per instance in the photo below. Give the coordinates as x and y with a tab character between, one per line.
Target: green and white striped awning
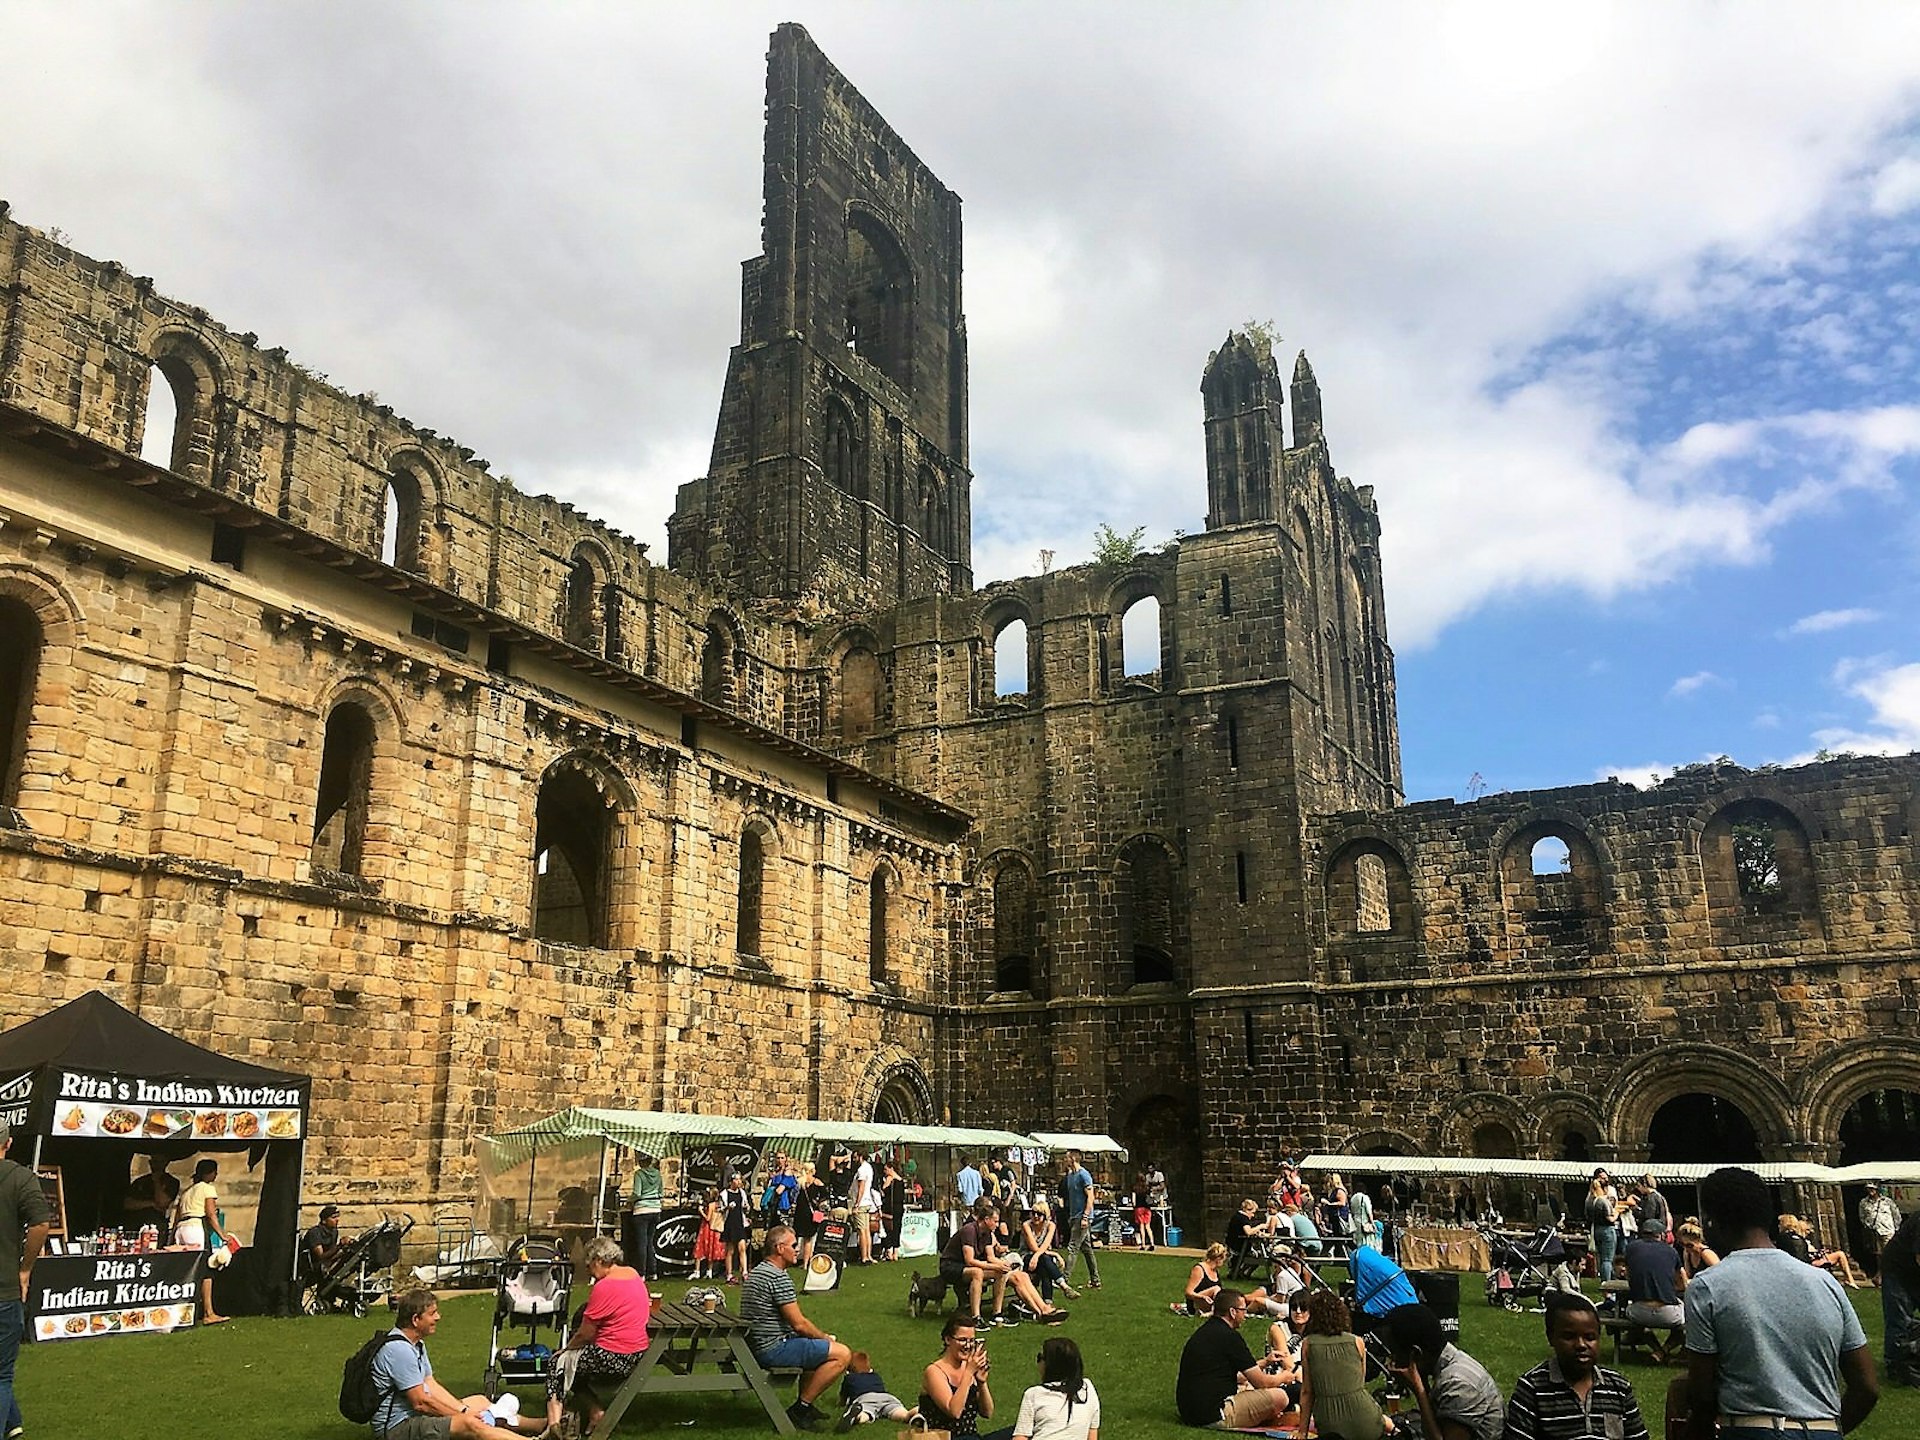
1901	1172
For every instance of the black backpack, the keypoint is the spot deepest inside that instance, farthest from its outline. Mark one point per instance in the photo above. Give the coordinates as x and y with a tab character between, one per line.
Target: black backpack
360	1392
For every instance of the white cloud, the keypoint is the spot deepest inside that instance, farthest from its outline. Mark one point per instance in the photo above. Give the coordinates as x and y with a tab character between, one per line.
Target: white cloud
1896	188
1767	720
545	266
1821	621
1692	684
1643	777
1891	693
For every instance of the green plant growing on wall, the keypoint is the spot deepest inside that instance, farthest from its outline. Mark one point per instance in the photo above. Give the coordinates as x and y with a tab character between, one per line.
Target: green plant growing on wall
1111	549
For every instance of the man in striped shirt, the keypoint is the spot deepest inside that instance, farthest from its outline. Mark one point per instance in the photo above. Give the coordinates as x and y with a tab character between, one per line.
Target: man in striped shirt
1570	1396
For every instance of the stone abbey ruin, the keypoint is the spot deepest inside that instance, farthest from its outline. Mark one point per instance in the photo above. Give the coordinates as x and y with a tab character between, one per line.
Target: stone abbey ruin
324	745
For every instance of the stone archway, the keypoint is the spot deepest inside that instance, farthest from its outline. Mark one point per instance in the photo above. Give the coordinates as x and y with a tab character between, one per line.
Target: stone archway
1723	1075
1164	1130
894	1091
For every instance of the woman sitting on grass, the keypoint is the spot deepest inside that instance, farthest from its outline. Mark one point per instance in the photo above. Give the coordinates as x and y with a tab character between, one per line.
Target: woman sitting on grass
1796	1238
1064	1405
1204	1279
1333	1376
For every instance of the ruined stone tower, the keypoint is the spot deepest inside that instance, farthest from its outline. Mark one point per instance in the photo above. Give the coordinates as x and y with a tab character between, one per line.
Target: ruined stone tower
839	471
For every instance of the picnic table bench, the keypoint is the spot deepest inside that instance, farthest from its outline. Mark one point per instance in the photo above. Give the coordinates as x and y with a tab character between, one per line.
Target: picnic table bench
1635	1334
693	1349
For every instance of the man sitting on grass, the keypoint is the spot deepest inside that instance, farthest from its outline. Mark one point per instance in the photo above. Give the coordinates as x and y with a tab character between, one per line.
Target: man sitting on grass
414	1405
1569	1396
1220	1384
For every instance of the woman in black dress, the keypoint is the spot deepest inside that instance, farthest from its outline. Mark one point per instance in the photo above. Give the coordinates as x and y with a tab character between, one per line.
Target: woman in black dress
893	1205
736	1208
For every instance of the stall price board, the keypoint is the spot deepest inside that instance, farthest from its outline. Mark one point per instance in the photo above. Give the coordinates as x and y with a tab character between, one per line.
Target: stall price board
82	1297
49	1177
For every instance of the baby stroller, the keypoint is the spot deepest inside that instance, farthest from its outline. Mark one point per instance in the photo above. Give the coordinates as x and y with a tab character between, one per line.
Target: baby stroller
1522	1268
535	1279
361	1273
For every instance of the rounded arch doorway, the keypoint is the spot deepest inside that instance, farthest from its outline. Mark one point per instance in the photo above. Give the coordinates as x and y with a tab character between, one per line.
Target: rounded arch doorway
1698	1128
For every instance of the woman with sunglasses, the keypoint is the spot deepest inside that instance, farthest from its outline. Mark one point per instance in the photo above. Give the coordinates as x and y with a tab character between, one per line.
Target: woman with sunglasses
1064	1405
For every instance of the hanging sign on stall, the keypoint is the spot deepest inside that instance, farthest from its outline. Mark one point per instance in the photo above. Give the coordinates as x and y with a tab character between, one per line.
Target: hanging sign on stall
131	1107
919	1234
78	1297
704	1167
15	1093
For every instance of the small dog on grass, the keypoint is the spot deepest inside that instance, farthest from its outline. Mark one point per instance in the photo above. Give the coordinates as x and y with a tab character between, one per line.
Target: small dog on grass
925	1291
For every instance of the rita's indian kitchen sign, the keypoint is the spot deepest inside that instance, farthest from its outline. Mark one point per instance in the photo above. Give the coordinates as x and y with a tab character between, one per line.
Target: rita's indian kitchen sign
78	1297
124	1107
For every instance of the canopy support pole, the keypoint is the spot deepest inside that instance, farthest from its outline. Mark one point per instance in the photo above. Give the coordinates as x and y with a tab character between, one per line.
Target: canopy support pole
600	1187
533	1163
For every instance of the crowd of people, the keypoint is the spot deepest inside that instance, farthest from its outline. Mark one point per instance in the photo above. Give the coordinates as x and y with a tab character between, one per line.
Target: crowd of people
1767	1329
1770	1339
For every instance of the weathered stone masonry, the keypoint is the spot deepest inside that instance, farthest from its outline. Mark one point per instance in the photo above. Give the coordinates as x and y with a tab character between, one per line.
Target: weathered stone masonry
328	745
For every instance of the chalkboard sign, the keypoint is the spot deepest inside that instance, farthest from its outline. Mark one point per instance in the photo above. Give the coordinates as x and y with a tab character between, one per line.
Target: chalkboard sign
56	1197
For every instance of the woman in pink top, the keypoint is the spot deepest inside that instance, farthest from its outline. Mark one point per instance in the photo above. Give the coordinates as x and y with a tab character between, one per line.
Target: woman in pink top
610	1336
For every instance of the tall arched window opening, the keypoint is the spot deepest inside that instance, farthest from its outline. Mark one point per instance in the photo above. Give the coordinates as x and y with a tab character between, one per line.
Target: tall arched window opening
572	850
1140	640
842	457
162	426
1015	937
400	522
345	790
879	299
751	891
877	904
21	640
583	618
1010	659
860	693
1147	913
717	665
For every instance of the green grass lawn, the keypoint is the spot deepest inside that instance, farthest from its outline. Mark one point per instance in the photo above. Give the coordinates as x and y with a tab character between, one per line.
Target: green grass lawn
281	1378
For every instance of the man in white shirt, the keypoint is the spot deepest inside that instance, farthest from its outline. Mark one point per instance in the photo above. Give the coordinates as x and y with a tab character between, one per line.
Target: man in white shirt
863	1201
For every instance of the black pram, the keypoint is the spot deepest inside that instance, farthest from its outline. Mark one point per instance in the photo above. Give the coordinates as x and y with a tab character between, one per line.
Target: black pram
1523	1267
360	1274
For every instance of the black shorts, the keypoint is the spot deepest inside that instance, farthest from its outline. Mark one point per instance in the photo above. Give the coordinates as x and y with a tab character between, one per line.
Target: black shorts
954	1275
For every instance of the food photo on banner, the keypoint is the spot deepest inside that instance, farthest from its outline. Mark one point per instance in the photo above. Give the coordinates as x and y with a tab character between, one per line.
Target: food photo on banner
93	1091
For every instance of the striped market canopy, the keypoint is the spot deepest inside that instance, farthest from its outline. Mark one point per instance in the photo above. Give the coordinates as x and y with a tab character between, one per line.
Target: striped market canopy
1899	1172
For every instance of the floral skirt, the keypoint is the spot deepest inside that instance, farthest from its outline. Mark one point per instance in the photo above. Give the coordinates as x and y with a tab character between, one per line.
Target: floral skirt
708	1245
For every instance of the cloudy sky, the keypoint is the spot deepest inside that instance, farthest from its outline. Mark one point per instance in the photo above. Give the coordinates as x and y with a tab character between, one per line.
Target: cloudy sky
1614	306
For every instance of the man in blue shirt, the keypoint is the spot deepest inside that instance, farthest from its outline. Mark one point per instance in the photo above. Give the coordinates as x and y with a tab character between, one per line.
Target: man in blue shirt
970	1185
1769	1338
1077	1189
415	1406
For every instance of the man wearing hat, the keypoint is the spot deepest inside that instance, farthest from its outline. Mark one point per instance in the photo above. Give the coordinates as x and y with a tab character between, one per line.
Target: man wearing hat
320	1245
25	1219
1879	1218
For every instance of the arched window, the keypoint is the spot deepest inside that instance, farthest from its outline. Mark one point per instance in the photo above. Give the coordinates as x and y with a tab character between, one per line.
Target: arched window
21	640
861	686
400	522
345	789
1550	856
610	619
1759	866
162	425
1015	933
1140	640
717	664
879	299
1373	908
1149	909
751	890
583	614
1369	893
1010	659
178	430
877	904
572	850
933	510
842	457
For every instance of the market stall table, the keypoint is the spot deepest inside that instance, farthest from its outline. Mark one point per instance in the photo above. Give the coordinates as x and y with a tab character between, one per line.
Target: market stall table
1442	1247
693	1349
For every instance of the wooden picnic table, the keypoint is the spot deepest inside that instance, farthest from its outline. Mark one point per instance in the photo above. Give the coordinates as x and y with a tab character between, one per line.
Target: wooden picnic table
693	1349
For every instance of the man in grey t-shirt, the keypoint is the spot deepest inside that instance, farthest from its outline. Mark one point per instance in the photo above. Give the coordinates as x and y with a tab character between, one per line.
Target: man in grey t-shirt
1768	1335
779	1335
1457	1398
